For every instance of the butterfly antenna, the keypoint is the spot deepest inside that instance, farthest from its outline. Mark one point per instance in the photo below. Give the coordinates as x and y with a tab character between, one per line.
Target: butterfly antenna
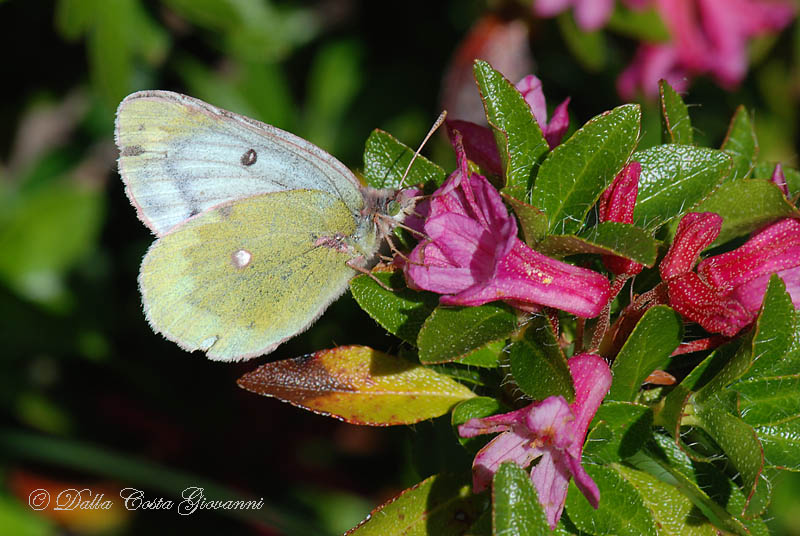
433	129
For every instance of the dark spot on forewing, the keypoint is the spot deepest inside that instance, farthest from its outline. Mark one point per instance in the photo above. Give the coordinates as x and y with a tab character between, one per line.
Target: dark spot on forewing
132	150
249	157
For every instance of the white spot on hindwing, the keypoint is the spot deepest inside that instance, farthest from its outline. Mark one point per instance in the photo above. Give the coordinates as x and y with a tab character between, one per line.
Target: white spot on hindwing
241	258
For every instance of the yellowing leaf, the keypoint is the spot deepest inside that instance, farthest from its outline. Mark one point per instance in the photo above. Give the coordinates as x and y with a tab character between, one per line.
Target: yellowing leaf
358	385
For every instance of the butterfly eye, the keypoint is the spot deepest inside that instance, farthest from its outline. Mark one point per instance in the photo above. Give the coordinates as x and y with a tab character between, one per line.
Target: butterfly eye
249	157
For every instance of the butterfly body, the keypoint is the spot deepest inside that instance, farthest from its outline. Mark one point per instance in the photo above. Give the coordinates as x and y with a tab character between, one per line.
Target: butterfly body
258	230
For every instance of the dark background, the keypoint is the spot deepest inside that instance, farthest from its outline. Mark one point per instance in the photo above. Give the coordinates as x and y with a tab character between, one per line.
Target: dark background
90	397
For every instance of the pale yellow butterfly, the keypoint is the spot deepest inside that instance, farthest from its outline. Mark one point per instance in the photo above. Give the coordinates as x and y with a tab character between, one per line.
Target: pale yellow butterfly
258	230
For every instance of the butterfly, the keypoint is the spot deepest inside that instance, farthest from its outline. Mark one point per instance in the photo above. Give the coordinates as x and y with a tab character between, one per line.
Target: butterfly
258	230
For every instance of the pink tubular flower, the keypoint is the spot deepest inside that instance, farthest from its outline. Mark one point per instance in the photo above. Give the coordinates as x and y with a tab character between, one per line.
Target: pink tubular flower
779	179
479	142
472	255
708	36
550	430
616	204
726	292
651	64
531	88
744	272
589	14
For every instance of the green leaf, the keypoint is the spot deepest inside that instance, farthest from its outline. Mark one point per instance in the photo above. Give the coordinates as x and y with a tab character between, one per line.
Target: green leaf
741	143
672	511
519	138
764	170
532	221
486	356
74	17
439	505
515	505
736	438
606	238
781	443
622	510
671	410
537	363
625	428
37	252
575	173
402	312
358	385
474	408
746	205
769	400
333	83
657	334
676	127
386	160
663	459
674	179
641	24
776	345
589	47
450	333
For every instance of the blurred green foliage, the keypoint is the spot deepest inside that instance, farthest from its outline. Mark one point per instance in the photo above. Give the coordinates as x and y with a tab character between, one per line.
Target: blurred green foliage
87	392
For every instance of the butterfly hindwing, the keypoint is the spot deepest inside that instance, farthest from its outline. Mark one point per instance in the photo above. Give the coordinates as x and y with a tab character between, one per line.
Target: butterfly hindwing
242	277
180	156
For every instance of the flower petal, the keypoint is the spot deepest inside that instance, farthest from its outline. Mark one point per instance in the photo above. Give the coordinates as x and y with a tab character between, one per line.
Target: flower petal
593	14
751	294
479	145
529	276
616	204
429	269
550	476
558	124
696	231
551	421
779	179
584	482
493	423
592	380
531	88
548	8
695	300
774	248
650	64
508	446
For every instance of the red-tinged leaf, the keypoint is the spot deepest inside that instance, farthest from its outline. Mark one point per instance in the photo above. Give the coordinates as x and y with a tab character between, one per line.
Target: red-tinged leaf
358	385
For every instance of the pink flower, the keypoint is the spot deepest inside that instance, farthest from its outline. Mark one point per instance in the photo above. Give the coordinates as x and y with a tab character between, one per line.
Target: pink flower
743	273
779	179
651	64
616	204
479	142
550	430
589	14
472	255
726	292
708	36
531	88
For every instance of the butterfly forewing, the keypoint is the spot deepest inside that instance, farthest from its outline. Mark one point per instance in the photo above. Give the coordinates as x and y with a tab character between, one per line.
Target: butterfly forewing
240	278
180	156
